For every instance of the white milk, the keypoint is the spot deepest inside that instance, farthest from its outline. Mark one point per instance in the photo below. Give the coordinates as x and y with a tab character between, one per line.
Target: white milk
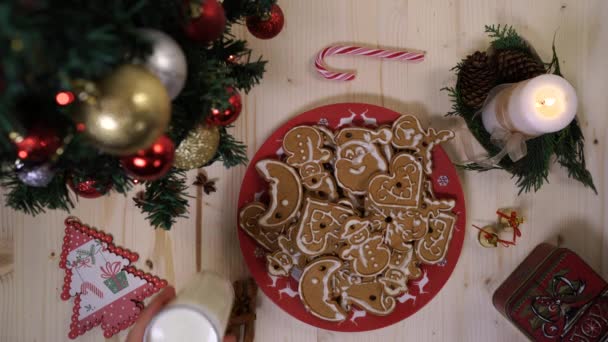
200	312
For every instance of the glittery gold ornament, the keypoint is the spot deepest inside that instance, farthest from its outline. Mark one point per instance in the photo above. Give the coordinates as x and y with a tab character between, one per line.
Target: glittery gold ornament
124	112
198	148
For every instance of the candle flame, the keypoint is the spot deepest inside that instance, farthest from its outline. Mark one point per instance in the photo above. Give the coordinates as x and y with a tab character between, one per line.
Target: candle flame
549	101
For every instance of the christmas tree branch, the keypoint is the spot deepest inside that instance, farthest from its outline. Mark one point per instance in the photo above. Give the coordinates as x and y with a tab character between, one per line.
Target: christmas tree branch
165	200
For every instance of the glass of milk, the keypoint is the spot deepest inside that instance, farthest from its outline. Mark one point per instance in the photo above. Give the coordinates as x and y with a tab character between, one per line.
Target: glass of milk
200	312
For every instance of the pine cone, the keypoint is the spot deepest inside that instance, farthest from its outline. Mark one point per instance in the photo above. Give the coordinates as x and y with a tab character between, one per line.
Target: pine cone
475	79
516	65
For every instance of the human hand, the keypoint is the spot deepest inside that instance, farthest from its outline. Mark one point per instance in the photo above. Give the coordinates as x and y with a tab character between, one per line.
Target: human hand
163	298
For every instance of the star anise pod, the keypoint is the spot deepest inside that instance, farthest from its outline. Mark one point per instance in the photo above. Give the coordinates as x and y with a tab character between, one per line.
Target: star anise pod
139	199
207	184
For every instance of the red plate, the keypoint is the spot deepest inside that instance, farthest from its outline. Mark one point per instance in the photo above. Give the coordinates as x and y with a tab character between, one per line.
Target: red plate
283	291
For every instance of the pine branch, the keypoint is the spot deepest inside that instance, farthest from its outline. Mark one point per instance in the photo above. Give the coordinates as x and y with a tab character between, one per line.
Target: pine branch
505	37
165	200
570	152
231	152
33	200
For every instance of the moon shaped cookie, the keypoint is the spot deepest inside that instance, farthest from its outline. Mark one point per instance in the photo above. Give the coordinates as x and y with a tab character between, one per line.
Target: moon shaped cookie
315	290
285	192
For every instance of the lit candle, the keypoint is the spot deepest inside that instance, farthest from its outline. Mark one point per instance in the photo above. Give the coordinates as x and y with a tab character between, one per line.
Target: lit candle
537	106
200	312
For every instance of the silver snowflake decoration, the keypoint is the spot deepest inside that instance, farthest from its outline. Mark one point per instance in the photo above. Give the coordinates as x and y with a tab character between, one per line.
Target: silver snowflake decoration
443	180
323	122
259	252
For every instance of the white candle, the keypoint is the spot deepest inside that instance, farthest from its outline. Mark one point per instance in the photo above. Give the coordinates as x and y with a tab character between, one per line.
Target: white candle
537	106
200	312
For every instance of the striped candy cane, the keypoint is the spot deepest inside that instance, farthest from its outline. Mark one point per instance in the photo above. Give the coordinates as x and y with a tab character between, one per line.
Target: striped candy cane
403	55
86	286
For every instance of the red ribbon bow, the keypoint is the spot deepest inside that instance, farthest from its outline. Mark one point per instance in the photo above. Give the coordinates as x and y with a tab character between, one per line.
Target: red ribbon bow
111	269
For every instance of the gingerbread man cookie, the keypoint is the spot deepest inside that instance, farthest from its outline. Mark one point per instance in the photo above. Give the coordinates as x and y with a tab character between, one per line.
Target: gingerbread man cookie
408	134
285	193
304	147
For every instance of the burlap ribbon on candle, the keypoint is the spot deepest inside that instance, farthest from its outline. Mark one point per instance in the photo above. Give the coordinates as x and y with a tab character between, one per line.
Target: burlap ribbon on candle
511	142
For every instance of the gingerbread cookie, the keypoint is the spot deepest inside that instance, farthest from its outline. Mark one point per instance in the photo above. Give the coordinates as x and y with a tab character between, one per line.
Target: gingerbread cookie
248	221
394	282
285	193
321	226
408	134
369	296
401	187
328	136
406	262
433	247
366	250
319	183
303	144
279	264
358	157
400	226
315	289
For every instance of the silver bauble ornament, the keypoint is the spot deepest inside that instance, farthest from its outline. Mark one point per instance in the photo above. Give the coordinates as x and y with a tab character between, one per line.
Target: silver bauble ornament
166	61
37	176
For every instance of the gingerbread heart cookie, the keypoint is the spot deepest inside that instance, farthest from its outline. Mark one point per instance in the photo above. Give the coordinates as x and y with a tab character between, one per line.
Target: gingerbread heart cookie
408	134
401	187
285	192
315	290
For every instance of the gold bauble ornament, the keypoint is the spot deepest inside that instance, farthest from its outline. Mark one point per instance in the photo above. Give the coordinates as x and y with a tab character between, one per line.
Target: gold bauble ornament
198	148
126	111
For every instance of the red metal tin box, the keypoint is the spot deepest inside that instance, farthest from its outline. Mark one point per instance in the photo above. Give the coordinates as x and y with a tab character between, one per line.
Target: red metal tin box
553	295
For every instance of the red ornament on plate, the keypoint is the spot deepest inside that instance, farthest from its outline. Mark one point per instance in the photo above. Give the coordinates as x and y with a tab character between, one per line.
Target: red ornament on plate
88	188
267	26
40	144
224	117
207	21
153	162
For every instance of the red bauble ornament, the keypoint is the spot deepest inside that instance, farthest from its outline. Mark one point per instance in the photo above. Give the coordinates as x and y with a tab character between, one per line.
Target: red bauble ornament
88	188
40	144
153	162
207	22
267	26
223	117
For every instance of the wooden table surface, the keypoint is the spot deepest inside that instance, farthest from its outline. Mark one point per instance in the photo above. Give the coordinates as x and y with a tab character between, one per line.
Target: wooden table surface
563	212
